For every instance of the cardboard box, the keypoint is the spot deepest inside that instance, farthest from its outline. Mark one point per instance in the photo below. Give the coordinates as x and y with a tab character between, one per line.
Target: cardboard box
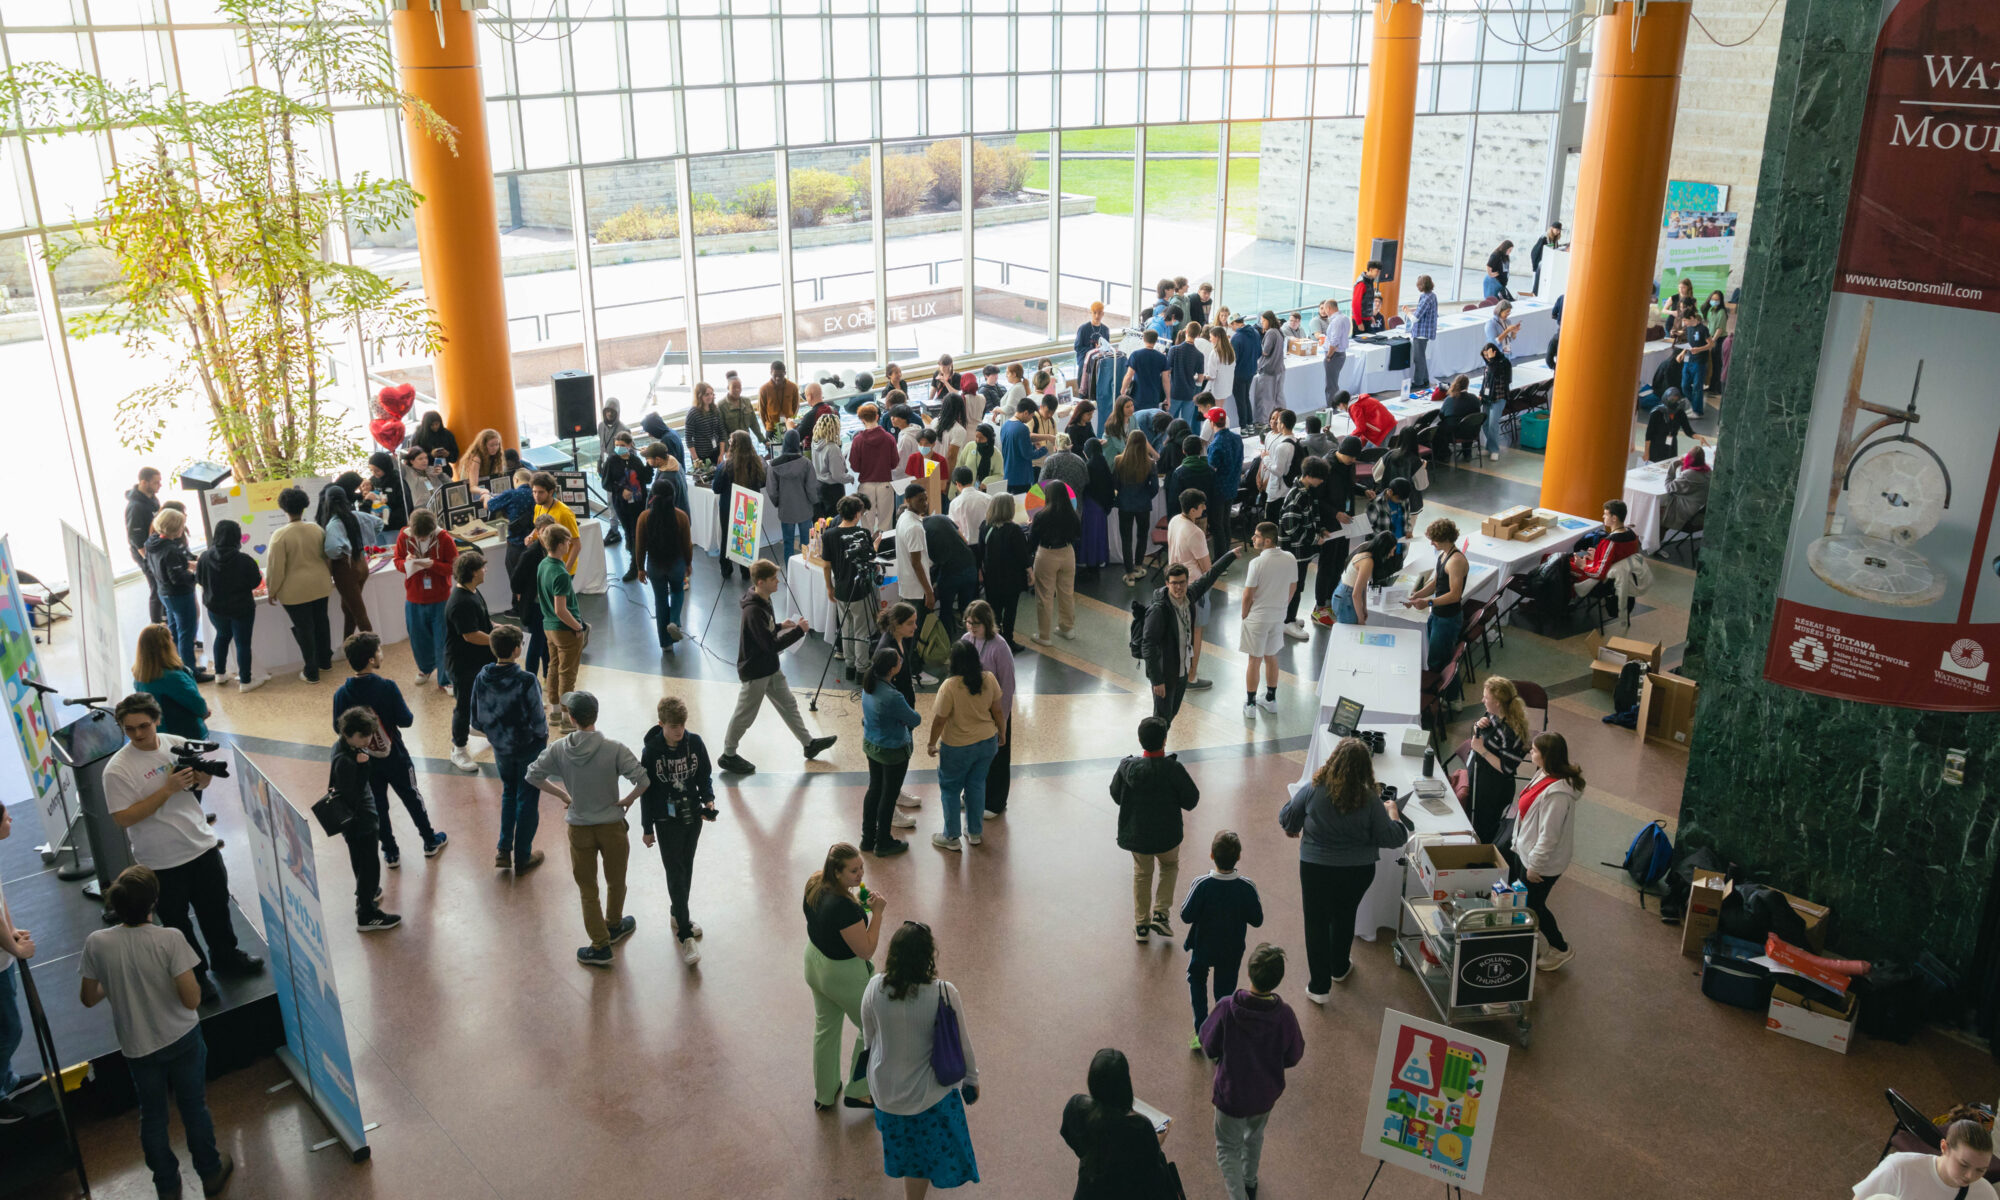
1501	525
1609	655
1666	709
1704	913
1446	870
1810	1021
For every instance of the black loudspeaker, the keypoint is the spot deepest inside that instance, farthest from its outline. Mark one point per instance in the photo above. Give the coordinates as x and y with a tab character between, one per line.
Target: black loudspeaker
576	403
1384	252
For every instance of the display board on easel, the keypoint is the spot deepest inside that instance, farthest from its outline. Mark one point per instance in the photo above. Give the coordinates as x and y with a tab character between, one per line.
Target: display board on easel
254	507
1433	1100
573	489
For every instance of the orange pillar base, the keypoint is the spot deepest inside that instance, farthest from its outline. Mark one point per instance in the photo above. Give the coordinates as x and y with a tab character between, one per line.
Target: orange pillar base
1621	186
458	237
1386	135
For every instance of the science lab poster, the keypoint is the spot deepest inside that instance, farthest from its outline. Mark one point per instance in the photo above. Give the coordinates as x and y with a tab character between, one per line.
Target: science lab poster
1890	592
1431	1106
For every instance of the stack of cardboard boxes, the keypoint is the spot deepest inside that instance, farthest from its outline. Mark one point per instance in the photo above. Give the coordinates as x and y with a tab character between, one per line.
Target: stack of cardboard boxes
1517	524
1791	1013
1666	700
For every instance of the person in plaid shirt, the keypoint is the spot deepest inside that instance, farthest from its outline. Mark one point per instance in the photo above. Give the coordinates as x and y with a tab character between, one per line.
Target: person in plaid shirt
1423	327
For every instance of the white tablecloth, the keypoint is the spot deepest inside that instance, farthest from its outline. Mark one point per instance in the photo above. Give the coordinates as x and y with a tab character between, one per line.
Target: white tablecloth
1380	907
1645	494
1512	558
1482	583
1455	350
1387	679
274	650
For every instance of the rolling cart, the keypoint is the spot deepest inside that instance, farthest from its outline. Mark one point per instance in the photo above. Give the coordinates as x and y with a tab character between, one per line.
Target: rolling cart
1475	961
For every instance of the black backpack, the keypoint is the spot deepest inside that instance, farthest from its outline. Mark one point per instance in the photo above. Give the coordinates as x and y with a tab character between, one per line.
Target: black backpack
1297	468
1625	693
1136	638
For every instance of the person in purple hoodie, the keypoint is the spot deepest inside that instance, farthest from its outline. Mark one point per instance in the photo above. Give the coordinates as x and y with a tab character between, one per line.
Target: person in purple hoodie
1255	1037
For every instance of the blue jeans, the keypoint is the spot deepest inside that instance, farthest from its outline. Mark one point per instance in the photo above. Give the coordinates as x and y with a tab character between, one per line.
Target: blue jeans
1493	411
184	622
1440	643
537	655
1693	375
1489	287
520	806
1343	606
182	1067
962	773
795	537
10	1028
237	630
426	626
669	597
1183	410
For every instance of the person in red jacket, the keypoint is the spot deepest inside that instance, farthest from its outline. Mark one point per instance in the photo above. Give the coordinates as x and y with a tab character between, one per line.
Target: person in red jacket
872	454
1367	310
1373	422
1619	543
424	555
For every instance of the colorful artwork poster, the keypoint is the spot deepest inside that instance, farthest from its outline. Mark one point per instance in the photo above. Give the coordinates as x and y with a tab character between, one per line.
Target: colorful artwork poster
1431	1106
308	998
1698	248
254	506
95	599
746	516
1686	195
1890	589
17	666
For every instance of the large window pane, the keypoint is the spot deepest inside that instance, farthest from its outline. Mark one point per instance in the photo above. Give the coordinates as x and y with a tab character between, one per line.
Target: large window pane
1331	196
925	252
1180	202
39	416
738	286
1260	245
833	262
1010	246
1509	190
1096	222
538	276
1437	186
639	284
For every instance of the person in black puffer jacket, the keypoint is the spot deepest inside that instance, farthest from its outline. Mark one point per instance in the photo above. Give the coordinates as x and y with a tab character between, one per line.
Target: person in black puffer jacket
228	579
172	568
1151	790
142	503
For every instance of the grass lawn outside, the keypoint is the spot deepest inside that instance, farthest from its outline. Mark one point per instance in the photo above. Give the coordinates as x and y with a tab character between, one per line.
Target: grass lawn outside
1176	189
1162	139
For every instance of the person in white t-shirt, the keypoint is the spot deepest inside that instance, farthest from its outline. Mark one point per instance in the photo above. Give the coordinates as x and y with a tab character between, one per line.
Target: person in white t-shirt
913	570
1267	589
1957	1172
14	943
1187	546
149	973
159	807
969	503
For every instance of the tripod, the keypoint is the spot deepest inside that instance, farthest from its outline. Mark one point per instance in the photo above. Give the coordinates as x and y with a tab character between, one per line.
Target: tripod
841	640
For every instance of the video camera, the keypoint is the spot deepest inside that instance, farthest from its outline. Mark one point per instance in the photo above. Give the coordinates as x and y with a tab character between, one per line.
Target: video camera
188	757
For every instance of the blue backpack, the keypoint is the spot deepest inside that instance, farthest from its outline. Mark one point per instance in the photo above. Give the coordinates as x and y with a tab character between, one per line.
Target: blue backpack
1649	857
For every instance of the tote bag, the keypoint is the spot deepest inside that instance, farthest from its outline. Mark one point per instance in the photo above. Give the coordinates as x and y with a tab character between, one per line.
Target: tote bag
947	1051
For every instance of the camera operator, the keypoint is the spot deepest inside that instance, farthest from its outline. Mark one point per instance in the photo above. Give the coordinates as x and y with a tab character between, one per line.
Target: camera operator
158	804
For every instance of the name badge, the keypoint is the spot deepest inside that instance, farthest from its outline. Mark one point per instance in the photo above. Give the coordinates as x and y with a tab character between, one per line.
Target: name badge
427	583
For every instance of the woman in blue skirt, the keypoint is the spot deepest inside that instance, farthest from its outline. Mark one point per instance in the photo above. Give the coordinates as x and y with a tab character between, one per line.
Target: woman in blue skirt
924	1138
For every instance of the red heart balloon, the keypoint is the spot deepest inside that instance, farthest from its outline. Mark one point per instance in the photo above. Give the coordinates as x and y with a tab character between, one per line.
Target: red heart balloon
388	432
395	401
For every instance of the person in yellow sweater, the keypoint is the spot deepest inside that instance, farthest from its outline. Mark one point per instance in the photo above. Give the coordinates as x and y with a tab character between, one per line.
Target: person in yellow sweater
296	576
544	486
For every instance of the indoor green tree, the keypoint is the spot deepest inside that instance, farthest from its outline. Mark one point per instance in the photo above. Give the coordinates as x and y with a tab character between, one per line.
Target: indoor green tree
218	225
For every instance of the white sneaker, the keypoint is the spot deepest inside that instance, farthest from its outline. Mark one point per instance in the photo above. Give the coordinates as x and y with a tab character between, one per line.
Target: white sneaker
1554	960
690	953
1296	630
694	930
944	843
305	678
1067	635
463	761
1318	998
1267	704
987	814
1250	712
1496	456
256	681
905	800
1039	640
902	820
973	838
423	678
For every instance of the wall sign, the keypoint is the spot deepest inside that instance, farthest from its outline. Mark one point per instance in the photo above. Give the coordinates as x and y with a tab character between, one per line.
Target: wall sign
1889	592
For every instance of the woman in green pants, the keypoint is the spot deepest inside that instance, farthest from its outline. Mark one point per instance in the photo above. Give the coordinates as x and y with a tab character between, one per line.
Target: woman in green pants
842	929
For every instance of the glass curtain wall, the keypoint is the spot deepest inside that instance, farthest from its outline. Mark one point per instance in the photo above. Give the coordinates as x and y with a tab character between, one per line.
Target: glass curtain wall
643	152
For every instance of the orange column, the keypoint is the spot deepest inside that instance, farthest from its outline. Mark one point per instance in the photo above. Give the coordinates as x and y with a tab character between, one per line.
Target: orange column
1385	136
1621	187
458	236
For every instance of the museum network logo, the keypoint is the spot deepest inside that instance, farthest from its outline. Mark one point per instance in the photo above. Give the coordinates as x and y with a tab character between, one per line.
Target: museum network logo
1810	653
1966	657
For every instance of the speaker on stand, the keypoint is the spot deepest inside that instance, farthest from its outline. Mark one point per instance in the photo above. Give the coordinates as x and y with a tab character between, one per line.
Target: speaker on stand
576	416
1383	250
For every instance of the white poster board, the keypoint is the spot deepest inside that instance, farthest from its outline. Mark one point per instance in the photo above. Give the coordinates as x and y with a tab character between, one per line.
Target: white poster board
746	517
1433	1100
92	595
254	506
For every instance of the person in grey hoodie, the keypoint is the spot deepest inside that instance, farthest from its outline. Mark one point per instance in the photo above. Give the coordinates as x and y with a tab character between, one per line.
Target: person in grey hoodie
1346	826
582	770
790	488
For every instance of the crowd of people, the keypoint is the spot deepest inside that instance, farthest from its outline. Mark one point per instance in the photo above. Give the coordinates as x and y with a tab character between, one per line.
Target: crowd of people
1173	425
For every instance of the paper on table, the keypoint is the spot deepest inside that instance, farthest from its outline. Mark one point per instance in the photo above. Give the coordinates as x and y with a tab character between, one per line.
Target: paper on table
1159	1119
1375	639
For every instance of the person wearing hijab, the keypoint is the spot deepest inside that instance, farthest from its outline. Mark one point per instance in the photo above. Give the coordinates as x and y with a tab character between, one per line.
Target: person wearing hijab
665	554
438	442
1688	479
385	484
985	454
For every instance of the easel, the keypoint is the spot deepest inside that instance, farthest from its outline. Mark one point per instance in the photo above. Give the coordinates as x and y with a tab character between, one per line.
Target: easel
1450	1190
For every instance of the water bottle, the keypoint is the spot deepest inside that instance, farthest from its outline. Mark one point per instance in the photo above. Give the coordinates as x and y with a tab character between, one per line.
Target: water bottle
1430	760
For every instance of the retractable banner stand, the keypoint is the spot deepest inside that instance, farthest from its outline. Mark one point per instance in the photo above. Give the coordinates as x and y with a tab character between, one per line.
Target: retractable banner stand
17	666
315	1049
92	594
1431	1106
1891	586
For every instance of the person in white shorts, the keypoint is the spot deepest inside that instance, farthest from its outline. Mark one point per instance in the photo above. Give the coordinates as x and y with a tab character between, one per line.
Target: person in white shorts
1267	589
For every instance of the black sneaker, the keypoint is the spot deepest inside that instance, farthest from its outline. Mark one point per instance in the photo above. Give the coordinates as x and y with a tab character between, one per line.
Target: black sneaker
819	744
240	963
392	859
889	846
212	1185
1160	926
23	1087
736	764
594	956
208	993
623	929
1142	932
12	1113
204	677
377	921
438	838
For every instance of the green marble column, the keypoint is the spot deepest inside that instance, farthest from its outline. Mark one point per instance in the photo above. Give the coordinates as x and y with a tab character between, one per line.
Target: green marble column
1837	801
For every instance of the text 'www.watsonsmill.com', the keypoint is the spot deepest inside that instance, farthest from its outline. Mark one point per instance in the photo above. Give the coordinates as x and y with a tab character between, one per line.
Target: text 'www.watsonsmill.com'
1912	285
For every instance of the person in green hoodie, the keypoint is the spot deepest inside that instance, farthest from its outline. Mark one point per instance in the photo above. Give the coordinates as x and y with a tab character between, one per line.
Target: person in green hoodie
157	670
582	770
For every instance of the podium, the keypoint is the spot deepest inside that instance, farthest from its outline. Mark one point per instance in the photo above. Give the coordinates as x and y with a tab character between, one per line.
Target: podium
84	746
